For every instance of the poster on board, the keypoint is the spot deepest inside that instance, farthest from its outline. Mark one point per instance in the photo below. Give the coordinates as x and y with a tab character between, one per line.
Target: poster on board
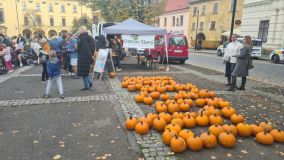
101	60
138	41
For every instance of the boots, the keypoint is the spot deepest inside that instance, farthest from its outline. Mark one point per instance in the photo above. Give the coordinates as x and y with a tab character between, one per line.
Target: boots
233	85
242	87
229	81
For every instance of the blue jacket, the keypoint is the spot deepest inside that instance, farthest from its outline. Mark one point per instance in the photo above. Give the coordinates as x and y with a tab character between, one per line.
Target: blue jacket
53	67
55	44
71	47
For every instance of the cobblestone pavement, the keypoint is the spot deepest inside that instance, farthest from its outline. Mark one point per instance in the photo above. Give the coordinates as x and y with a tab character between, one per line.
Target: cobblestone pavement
263	71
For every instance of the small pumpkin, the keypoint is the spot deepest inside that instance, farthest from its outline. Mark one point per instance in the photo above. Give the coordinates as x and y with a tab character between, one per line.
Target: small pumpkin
266	126
139	98
167	136
138	86
125	84
155	95
177	121
212	102
192	114
166	116
237	118
264	138
161	108
147	119
165	97
131	88
216	130
212	94
189	121
255	129
227	139
244	130
184	107
178	87
144	93
278	135
203	93
180	101
111	75
174	127
152	115
215	119
224	104
231	129
178	96
159	124
185	133
170	88
161	89
147	100
228	111
194	143
200	102
178	144
178	115
173	107
189	102
209	140
141	128
202	120
131	122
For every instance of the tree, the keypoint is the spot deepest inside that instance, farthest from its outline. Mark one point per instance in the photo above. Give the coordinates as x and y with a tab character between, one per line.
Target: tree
119	10
84	21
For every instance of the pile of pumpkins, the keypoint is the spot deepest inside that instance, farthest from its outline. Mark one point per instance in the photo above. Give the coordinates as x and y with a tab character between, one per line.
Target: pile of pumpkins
174	116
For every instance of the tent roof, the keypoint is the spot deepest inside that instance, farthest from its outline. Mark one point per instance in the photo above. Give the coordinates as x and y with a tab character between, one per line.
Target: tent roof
131	26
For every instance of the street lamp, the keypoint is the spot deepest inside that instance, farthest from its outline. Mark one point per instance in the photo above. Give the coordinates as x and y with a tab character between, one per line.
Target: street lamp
195	48
17	16
233	18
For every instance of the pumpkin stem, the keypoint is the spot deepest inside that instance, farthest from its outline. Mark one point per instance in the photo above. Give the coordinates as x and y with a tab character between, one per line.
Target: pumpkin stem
208	132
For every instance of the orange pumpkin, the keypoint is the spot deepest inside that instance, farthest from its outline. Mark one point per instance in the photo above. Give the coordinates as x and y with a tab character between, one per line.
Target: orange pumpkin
173	107
227	139
203	93
130	123
155	95
165	96
166	116
159	124
147	100
144	93
178	87
178	96
266	126
179	101
174	127
178	144
212	102
170	88
178	115
202	120
216	130
152	115
161	108
184	107
194	143
192	114
167	136
185	133
209	140
231	129
223	104
138	86
161	89
111	75
177	121
214	119
139	98
125	84
244	130
131	88
141	128
278	135
147	120
264	138
255	129
189	102
212	94
228	111
237	118
189	121
200	102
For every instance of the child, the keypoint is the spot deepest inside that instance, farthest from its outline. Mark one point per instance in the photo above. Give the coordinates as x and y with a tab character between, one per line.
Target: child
54	73
7	58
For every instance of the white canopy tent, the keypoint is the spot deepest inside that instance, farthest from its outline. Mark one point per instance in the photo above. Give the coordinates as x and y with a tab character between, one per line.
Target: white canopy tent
131	26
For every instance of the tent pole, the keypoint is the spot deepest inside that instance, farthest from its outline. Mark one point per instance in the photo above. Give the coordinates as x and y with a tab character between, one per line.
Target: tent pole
167	54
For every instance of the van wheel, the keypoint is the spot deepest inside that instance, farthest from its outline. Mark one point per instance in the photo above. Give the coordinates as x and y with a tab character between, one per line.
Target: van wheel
160	60
275	59
219	53
182	61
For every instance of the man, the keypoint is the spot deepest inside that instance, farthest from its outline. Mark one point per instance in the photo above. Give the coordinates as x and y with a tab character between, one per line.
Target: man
54	44
21	41
232	50
72	52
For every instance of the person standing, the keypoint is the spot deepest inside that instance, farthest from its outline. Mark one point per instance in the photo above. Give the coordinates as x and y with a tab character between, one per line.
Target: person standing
54	44
7	58
116	54
53	69
72	52
86	47
43	58
241	68
232	49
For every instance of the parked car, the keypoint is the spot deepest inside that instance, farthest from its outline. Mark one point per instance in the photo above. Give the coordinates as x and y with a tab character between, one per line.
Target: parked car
177	48
256	49
277	55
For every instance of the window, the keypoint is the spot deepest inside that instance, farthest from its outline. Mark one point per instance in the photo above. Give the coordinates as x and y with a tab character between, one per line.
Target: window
165	22
174	21
195	11
26	20
62	8
74	9
201	25
51	20
177	21
2	15
24	6
158	22
37	8
193	26
213	23
177	41
63	22
50	8
263	30
203	10
38	19
215	8
181	20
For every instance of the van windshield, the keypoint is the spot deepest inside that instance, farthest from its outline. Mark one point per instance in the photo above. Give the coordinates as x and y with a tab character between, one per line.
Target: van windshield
256	43
178	41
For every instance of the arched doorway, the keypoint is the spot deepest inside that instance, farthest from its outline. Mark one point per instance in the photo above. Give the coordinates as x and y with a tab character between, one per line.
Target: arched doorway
52	33
64	32
201	36
39	32
27	34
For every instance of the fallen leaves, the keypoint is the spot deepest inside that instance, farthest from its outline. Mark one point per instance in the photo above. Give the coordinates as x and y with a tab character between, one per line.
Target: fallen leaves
244	151
229	155
213	157
56	157
61	144
15	131
104	156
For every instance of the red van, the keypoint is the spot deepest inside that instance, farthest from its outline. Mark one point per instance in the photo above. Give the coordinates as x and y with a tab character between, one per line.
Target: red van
177	48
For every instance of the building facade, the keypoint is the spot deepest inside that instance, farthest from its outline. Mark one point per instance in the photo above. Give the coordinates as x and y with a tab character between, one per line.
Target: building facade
264	19
46	17
214	18
175	17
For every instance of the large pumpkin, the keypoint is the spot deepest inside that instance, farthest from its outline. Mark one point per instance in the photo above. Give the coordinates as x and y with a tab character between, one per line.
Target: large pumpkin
266	126
167	136
215	119
141	128
185	133
178	144
139	98
209	140
228	111
166	116
194	143
216	130
227	139
159	124
278	135
131	123
147	100
244	130
264	138
202	120
189	121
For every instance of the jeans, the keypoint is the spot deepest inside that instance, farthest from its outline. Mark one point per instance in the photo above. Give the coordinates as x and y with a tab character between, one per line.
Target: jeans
59	84
117	61
87	82
44	75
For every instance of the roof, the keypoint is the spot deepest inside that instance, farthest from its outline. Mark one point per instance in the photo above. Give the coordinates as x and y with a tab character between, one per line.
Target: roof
174	5
132	26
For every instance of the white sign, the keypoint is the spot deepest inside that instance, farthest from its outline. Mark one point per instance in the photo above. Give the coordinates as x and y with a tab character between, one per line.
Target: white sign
94	30
138	41
101	60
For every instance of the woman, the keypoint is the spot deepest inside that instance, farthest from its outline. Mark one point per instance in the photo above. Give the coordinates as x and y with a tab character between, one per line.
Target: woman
241	68
43	58
72	51
232	49
116	54
86	46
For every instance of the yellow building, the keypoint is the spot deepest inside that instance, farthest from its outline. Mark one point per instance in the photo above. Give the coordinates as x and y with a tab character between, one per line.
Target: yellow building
214	19
44	17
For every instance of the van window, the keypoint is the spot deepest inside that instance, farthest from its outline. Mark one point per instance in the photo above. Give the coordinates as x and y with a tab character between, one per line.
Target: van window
178	41
160	41
256	43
